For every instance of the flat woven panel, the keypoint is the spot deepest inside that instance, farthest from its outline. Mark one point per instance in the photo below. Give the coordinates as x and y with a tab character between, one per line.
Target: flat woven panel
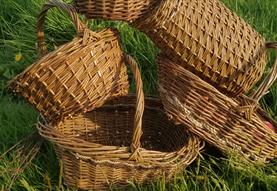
126	10
237	125
99	155
76	77
205	37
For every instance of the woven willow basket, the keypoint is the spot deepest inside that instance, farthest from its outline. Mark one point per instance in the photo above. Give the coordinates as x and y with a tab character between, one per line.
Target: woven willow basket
125	10
124	140
76	77
227	123
209	40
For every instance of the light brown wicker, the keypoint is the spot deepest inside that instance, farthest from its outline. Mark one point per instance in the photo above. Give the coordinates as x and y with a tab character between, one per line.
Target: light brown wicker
76	77
208	39
227	123
124	140
125	10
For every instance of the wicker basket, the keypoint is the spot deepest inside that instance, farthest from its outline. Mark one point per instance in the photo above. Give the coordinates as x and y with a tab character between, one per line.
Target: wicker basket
209	40
125	10
76	77
99	149
227	123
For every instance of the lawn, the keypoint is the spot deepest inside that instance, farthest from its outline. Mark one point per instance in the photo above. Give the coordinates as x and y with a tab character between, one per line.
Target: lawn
211	171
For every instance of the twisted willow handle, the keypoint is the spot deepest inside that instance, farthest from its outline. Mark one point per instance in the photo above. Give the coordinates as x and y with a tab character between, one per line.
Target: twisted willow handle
249	105
67	8
55	136
137	132
269	80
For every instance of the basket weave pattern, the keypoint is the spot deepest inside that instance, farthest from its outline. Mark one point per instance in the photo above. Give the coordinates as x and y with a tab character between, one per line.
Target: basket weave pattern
76	77
107	147
205	37
222	121
126	10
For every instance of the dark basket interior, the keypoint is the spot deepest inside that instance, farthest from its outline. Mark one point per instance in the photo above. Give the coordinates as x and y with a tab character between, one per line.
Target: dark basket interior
112	125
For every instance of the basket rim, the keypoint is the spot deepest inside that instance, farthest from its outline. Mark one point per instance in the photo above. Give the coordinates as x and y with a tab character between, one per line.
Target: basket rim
251	101
188	152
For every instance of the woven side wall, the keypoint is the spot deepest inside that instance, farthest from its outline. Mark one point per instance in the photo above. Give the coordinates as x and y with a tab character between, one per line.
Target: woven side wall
126	10
215	117
205	37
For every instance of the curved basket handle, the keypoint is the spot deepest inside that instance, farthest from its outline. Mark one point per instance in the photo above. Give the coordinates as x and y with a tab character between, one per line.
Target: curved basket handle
251	104
67	8
137	131
55	136
269	80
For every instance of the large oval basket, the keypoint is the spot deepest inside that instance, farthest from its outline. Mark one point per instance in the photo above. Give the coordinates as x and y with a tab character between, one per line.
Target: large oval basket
76	77
238	125
125	10
106	147
209	40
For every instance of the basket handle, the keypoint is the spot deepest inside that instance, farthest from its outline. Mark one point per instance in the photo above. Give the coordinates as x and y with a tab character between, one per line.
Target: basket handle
67	8
56	137
137	131
255	97
269	80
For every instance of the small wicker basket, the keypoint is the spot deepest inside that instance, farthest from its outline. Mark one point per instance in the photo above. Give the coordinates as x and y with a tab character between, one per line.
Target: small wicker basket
227	123
99	149
125	10
209	40
76	77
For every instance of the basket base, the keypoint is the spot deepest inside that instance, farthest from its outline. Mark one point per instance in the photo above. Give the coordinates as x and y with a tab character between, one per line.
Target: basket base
87	174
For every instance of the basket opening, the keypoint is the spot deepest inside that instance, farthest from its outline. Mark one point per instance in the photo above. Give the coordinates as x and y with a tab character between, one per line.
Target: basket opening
113	126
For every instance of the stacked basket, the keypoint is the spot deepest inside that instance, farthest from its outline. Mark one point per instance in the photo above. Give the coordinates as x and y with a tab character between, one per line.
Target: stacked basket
213	57
103	135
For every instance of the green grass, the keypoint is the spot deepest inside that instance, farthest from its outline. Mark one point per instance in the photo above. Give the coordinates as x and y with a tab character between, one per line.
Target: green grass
211	171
